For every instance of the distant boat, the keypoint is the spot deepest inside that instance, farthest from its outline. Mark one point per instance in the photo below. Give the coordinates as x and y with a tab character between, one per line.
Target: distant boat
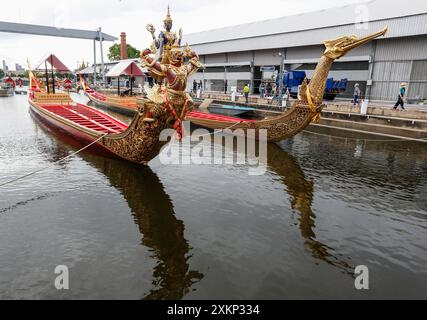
6	90
137	142
230	110
21	90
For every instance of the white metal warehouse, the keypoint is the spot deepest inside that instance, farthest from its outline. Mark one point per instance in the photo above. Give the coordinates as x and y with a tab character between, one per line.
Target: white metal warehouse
238	54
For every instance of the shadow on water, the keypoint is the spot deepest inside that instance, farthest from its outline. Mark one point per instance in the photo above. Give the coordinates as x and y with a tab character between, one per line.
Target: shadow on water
300	190
153	213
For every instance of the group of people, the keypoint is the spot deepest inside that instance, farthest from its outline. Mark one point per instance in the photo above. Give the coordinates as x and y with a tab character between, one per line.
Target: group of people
267	90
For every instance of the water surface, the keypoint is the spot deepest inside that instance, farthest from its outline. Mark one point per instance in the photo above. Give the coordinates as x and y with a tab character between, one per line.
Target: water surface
325	205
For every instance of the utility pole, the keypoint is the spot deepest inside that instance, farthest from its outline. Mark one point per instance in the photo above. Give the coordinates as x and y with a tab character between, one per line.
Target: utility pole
101	40
94	60
282	61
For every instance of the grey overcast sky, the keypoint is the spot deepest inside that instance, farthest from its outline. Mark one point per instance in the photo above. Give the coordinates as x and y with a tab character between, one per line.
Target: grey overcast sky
131	16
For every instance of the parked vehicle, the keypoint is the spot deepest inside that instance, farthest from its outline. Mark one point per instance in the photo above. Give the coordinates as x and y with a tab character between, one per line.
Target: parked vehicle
294	78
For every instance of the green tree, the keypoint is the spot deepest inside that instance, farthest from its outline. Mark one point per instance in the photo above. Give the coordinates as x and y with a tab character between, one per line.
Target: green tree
114	52
1	73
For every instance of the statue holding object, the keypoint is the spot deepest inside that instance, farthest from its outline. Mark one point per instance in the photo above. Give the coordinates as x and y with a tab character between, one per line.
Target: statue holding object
164	43
172	95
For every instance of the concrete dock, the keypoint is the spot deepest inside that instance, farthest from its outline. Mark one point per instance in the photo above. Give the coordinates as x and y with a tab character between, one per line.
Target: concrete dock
380	119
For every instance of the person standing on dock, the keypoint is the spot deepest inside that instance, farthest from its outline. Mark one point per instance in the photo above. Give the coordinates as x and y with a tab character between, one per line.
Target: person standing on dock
262	90
246	91
268	89
194	86
401	98
357	94
275	92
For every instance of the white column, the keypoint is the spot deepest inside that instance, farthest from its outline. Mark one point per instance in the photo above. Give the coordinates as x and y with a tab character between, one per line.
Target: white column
101	40
94	60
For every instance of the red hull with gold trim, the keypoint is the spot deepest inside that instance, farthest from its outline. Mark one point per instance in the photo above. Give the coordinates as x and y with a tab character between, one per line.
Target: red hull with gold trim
138	142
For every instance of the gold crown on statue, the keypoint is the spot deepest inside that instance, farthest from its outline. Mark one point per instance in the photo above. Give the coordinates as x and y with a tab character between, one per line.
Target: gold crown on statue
168	16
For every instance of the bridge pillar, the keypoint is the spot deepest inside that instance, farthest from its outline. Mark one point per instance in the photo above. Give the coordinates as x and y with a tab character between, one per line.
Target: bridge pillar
101	40
94	60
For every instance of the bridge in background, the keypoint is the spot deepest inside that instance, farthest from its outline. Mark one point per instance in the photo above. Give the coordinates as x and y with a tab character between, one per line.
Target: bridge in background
97	35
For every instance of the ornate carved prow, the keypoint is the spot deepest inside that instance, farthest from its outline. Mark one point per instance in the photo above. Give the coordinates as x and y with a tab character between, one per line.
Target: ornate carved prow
335	49
308	107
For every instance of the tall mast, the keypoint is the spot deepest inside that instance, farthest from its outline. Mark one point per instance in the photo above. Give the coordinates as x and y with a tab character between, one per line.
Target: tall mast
53	76
47	76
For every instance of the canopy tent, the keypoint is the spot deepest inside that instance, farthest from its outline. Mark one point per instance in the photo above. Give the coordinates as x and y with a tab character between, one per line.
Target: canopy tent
10	82
128	68
54	63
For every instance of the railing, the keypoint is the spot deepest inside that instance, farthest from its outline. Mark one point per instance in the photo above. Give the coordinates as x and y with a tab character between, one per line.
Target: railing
52	98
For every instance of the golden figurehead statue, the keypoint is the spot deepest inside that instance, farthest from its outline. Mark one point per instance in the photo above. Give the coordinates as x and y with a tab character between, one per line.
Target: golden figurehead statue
171	92
167	38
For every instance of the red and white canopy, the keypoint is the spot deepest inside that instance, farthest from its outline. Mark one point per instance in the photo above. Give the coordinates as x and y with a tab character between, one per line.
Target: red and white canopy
128	68
55	63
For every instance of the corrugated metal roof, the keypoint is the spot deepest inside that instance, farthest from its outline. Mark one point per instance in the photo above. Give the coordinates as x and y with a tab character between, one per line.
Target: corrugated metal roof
347	15
398	28
112	64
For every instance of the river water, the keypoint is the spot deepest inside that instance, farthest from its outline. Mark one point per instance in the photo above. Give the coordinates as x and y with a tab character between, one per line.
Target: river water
326	204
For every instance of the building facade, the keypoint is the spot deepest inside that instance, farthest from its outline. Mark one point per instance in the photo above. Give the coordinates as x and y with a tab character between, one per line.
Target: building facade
234	56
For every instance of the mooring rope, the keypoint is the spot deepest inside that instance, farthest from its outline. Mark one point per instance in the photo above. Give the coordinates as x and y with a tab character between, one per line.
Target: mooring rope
82	149
52	164
365	140
44	196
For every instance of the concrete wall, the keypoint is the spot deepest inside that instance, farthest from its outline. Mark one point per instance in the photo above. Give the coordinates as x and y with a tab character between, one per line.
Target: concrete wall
398	27
387	77
418	82
240	56
309	52
268	57
215	58
215	81
410	48
400	60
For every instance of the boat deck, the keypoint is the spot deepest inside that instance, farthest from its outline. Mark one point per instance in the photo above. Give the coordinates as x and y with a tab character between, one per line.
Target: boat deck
216	117
87	117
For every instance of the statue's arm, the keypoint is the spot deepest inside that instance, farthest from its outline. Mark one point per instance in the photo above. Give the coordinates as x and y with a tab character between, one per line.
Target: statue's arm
194	63
152	64
160	41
